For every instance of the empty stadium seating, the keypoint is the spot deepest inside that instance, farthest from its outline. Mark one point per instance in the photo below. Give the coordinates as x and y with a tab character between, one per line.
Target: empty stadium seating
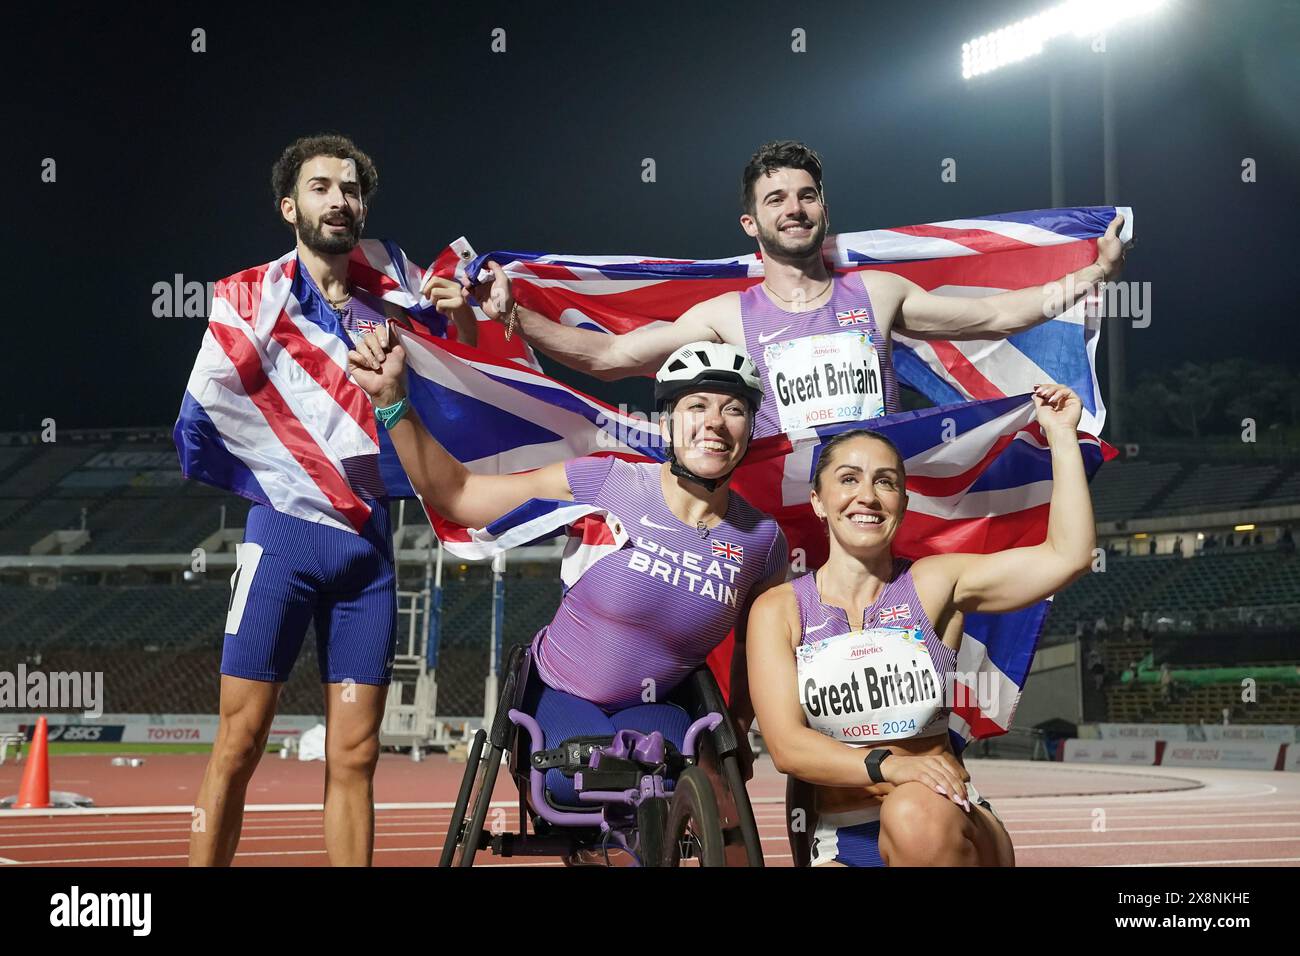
1182	588
1216	488
1121	491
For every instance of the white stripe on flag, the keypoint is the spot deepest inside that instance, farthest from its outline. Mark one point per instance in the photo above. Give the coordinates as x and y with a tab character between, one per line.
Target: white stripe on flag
982	504
339	430
216	387
1025	232
946	459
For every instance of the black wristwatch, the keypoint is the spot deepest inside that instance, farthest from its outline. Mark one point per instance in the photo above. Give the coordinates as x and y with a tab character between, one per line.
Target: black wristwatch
873	761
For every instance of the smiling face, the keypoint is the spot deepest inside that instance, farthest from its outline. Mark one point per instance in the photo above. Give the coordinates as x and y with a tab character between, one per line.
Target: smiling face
859	493
327	209
709	432
788	216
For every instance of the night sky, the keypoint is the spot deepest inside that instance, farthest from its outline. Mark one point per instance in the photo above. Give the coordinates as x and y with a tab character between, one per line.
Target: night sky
164	155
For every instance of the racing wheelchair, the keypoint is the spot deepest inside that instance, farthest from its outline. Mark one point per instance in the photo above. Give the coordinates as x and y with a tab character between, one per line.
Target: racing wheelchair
635	792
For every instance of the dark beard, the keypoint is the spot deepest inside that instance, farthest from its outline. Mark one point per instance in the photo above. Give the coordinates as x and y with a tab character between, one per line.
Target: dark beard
770	243
314	238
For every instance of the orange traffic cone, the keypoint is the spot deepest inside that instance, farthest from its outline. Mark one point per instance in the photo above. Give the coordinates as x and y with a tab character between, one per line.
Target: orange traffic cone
34	791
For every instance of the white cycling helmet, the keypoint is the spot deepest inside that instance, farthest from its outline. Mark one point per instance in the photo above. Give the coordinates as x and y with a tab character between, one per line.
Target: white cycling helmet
708	367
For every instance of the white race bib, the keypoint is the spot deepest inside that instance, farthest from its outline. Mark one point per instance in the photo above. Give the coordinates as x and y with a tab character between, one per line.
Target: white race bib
824	379
871	686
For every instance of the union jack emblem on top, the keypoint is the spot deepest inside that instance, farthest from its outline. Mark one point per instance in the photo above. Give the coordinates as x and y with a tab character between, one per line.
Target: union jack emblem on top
896	613
733	552
852	317
362	326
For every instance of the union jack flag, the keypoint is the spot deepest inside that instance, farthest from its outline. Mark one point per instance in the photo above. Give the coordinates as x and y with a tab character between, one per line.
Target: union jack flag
732	552
269	412
853	316
959	257
898	612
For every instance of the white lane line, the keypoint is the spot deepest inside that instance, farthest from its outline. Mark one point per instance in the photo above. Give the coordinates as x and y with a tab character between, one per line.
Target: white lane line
5	861
1110	829
1100	844
1116	815
118	823
251	808
238	856
183	826
1059	805
1274	859
185	839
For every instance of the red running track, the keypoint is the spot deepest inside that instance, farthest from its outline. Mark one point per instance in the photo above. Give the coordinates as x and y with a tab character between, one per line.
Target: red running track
1058	815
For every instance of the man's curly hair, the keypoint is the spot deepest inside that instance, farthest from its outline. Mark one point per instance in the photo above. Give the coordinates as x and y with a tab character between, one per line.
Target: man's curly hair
780	154
284	174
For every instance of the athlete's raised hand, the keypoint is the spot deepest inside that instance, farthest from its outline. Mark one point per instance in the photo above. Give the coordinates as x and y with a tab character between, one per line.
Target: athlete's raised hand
378	365
1111	251
1058	407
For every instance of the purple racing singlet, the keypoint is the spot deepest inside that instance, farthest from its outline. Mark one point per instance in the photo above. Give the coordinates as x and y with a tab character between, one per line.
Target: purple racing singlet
884	678
821	366
655	608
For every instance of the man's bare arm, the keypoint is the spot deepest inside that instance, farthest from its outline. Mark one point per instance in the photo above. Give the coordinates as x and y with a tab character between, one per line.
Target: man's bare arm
604	356
924	315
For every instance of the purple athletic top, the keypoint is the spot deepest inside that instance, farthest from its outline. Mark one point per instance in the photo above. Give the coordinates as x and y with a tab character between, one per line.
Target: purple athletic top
885	680
656	607
771	331
897	606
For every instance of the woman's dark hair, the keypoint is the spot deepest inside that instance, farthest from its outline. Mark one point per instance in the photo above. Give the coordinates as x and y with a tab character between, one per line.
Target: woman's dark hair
284	174
780	154
828	449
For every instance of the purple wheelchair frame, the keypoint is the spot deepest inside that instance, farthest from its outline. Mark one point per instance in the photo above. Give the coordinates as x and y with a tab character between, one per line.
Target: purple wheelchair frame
618	813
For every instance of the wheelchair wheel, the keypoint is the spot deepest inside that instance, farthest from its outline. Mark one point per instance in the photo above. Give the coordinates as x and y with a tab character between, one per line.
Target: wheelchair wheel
456	830
694	824
486	783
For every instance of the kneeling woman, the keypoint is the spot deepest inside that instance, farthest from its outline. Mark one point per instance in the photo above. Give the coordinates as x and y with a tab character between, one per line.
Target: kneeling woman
643	617
850	667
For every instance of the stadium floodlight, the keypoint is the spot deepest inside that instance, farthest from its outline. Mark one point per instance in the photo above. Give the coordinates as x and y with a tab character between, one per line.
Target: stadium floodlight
1026	38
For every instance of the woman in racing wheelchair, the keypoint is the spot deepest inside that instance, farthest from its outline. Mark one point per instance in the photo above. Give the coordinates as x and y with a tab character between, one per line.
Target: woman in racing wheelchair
645	616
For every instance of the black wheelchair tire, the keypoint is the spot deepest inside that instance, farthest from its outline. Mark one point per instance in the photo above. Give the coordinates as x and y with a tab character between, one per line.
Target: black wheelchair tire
456	830
651	825
694	805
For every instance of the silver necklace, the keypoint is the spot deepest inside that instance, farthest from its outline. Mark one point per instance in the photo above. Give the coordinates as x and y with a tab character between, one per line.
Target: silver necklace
798	298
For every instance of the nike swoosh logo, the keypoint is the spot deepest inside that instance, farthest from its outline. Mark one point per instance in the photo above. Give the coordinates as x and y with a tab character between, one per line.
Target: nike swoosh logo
809	630
650	524
764	339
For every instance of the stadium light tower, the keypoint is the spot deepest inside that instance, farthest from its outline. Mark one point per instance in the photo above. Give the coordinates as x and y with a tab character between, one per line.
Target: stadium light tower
1027	38
1081	18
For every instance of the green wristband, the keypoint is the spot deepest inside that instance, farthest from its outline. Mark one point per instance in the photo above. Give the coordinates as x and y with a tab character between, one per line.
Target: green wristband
390	415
